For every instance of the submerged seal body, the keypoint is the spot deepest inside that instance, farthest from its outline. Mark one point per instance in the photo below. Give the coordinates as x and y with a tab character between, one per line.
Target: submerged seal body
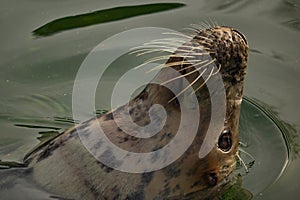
63	166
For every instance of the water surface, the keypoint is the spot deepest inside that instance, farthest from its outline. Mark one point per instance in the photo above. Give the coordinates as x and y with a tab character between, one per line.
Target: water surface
38	72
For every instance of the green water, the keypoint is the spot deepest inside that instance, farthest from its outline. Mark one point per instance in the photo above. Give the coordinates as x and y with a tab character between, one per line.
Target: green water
38	72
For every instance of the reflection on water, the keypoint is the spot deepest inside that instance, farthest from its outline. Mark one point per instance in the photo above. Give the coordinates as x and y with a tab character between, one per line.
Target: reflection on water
292	23
233	5
102	16
289	10
261	139
35	126
288	130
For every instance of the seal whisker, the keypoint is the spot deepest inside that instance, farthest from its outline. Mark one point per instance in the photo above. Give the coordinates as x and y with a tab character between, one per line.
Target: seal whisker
189	37
138	51
156	48
246	153
190	85
200	54
191	72
168	65
218	70
154	60
181	76
243	144
168	41
174	38
199	27
213	22
201	62
171	64
205	81
243	163
203	37
162	44
157	58
188	67
168	56
195	34
149	50
208	23
194	30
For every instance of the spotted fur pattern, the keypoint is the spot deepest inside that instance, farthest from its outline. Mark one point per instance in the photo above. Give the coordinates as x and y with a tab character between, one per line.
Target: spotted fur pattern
63	166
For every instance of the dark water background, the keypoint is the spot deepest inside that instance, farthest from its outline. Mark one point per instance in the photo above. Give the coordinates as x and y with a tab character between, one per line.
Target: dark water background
38	68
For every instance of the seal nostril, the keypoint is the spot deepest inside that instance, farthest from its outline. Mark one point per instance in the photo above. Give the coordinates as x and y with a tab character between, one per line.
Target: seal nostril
241	35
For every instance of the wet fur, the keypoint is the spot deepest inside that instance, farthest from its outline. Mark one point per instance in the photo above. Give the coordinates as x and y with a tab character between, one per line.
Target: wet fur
65	167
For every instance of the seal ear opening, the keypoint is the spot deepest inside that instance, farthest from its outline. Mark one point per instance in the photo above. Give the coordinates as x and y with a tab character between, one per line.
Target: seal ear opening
225	141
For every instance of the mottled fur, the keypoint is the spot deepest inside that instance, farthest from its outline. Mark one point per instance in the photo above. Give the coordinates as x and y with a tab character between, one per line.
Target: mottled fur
65	167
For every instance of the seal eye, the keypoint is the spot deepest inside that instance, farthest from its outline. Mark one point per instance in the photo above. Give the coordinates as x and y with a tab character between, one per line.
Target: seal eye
225	142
